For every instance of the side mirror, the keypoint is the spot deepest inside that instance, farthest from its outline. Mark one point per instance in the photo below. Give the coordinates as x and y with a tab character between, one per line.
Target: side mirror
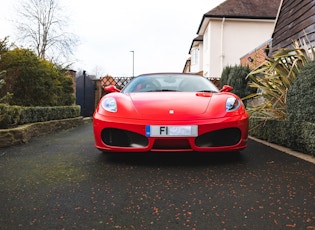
111	89
226	88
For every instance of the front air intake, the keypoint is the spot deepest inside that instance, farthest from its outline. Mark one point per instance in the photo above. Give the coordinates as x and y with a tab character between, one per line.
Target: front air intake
218	138
123	138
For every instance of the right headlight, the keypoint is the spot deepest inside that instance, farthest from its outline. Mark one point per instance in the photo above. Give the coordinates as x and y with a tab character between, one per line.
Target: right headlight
232	104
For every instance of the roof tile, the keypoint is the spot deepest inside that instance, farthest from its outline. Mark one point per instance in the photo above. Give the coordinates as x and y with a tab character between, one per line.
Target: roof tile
261	9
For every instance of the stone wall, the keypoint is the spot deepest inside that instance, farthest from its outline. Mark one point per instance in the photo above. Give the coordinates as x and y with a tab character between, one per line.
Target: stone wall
24	133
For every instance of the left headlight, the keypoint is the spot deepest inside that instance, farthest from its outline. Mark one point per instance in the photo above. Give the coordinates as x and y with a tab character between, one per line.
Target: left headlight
232	104
109	104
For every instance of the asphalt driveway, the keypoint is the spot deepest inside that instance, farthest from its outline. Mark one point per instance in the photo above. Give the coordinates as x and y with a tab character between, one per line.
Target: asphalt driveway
61	181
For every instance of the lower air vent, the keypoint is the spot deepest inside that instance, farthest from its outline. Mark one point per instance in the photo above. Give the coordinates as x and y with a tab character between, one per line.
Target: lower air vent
123	138
222	137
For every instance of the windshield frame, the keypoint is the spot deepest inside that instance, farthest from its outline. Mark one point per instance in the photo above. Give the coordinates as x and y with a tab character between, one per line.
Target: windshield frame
170	82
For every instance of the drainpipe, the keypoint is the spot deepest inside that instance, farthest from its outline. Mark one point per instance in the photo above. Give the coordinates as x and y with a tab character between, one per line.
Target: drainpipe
222	47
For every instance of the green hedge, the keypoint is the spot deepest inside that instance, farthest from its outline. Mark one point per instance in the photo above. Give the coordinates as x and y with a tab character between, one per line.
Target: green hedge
297	135
301	95
298	131
12	116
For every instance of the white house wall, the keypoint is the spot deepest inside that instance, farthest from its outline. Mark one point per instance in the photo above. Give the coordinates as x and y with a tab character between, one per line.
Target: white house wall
225	41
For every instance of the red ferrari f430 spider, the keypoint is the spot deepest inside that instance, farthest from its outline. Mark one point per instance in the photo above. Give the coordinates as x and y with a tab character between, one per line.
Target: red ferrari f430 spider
170	112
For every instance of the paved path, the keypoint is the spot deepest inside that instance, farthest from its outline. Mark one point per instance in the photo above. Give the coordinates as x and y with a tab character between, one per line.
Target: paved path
62	182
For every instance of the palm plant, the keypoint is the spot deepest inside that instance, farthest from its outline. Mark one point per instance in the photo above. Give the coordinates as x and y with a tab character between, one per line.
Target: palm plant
273	78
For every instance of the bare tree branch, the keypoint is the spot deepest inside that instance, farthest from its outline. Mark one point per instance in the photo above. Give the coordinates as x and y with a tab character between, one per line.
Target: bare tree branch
41	26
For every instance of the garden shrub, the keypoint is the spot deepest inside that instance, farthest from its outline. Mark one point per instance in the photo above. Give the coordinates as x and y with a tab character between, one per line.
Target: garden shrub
9	116
273	79
236	77
239	81
225	76
33	81
301	95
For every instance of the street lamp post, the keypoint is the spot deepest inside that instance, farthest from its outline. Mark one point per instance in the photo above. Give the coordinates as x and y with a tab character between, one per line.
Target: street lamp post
133	63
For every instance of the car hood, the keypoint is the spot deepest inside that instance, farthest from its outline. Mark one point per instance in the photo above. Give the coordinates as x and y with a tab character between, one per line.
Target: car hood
183	105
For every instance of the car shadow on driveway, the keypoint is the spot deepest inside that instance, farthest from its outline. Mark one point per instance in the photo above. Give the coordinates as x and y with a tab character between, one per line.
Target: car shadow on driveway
169	159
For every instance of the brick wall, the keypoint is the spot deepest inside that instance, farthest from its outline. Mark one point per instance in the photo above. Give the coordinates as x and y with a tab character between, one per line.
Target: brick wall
256	57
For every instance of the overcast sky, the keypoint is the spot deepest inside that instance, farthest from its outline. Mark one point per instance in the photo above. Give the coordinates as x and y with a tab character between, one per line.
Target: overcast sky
159	32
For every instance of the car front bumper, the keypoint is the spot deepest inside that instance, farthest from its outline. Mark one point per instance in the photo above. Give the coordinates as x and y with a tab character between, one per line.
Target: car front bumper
129	135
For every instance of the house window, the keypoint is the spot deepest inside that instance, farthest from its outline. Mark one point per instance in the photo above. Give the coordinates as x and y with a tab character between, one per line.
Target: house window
194	56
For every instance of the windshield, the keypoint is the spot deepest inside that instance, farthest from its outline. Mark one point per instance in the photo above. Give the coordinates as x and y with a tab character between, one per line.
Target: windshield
170	82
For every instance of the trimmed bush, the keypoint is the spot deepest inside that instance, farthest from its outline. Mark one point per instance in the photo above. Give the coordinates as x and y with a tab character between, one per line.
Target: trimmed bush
225	76
236	77
301	95
297	135
11	116
239	81
308	138
274	131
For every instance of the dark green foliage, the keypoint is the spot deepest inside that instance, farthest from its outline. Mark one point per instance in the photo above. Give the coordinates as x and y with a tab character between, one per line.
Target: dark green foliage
12	116
306	141
28	78
33	81
66	91
274	131
297	135
4	46
5	98
38	114
301	95
239	81
236	77
9	115
225	76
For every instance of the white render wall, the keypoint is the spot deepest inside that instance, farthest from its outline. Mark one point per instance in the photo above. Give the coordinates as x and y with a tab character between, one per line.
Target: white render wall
226	41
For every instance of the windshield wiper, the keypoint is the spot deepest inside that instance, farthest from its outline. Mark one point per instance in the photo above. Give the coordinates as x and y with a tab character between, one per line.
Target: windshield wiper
167	90
162	90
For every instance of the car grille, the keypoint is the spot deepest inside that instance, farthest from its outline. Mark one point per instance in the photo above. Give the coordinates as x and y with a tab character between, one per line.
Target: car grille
170	144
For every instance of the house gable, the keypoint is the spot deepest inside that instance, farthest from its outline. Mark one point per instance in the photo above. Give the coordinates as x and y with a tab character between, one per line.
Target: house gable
229	30
242	9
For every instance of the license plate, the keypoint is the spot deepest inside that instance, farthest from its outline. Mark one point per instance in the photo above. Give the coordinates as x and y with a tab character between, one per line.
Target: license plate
171	131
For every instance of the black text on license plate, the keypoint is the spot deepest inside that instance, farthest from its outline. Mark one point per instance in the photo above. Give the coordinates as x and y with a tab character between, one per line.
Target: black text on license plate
172	131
